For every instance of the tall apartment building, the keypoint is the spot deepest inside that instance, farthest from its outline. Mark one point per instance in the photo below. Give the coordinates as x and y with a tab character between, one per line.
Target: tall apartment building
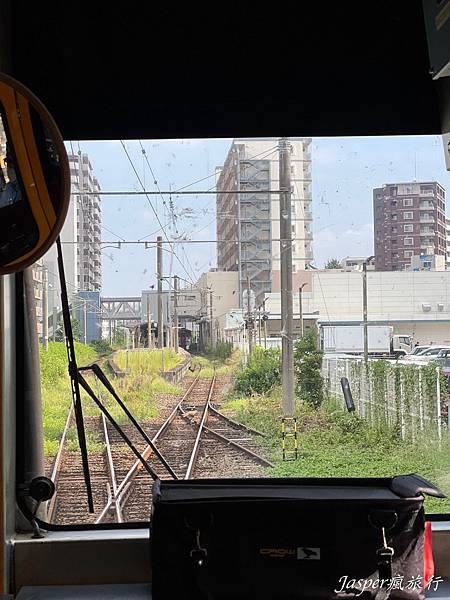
248	228
80	236
447	238
409	220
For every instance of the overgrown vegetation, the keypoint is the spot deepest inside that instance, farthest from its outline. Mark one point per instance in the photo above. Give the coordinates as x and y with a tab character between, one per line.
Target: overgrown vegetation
334	443
102	347
56	391
221	351
262	372
138	390
142	383
221	367
147	362
307	365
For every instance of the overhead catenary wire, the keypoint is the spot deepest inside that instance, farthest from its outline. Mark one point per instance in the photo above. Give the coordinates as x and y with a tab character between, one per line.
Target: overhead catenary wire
163	229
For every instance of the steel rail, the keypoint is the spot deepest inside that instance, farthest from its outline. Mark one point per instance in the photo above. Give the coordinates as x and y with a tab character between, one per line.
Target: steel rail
235	423
112	472
196	447
229	442
137	466
57	464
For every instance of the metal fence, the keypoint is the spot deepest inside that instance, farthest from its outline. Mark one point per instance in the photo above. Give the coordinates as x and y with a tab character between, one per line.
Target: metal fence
406	397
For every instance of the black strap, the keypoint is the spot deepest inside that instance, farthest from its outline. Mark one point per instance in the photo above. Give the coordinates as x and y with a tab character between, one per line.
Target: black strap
384	563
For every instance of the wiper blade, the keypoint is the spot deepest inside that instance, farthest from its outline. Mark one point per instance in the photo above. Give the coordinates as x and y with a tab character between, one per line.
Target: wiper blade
74	379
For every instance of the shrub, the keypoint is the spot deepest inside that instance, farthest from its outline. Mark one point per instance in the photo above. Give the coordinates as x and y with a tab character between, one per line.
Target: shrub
307	365
102	347
262	373
221	351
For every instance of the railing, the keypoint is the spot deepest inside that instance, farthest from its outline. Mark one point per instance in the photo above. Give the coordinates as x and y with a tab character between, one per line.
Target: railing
407	397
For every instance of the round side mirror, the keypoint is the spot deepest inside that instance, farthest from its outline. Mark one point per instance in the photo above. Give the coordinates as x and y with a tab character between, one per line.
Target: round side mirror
34	178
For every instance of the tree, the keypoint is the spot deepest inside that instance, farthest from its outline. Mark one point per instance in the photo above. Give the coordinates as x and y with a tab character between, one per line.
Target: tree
307	366
333	263
60	334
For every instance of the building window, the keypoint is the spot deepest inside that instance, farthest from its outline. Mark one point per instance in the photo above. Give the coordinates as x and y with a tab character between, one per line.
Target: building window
408	253
393	229
407	201
408	228
408	241
408	215
394	216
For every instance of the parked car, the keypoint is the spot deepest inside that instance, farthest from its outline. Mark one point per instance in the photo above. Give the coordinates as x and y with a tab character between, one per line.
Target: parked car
418	350
443	360
429	354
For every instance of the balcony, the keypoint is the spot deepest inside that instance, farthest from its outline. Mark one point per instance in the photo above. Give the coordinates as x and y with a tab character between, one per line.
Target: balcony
426	231
426	219
426	205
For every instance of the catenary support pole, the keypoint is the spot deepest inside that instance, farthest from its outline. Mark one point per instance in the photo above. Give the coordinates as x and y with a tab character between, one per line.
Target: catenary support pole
85	323
211	328
365	328
45	307
300	308
249	319
287	354
159	270
149	323
55	323
175	312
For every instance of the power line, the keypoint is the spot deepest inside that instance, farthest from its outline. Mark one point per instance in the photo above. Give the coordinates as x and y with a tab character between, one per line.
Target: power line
110	231
170	212
212	191
148	200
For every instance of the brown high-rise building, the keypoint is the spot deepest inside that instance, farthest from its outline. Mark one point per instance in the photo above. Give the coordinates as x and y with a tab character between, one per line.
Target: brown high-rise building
409	220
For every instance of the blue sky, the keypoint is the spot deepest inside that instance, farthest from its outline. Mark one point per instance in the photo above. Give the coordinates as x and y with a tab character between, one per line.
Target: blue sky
344	173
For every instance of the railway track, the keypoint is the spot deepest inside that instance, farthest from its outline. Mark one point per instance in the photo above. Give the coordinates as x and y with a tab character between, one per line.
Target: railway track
195	439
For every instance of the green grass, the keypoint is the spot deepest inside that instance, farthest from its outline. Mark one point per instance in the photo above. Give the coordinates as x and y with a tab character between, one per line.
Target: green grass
228	366
56	390
137	390
147	362
333	443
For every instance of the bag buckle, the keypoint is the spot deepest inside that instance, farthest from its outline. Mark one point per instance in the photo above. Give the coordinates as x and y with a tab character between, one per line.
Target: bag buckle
198	554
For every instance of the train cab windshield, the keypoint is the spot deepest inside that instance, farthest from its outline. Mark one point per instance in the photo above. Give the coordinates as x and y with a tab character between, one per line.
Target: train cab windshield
173	254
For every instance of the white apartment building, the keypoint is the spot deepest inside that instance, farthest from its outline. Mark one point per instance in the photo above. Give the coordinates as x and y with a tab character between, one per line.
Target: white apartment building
80	236
447	242
248	229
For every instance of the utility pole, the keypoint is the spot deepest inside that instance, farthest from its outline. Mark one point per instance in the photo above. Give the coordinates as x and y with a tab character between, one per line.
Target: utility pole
300	308
265	324
45	308
287	354
259	325
175	311
85	323
149	324
159	271
55	322
249	323
365	324
211	330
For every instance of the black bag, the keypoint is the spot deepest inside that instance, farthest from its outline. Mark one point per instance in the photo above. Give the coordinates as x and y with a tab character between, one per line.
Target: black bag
282	539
